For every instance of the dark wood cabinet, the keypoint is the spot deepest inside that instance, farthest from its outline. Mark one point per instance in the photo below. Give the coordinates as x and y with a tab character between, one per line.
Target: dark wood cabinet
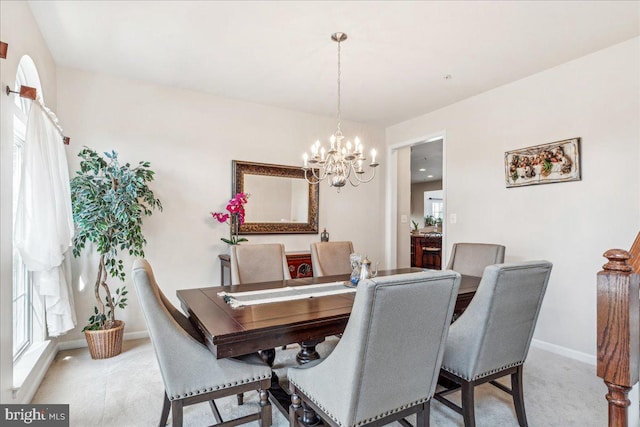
299	266
429	258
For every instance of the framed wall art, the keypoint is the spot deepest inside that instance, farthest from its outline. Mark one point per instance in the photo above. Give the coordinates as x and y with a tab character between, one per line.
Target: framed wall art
543	164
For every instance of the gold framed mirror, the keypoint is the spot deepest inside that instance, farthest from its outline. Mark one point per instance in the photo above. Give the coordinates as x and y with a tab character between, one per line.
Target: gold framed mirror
281	200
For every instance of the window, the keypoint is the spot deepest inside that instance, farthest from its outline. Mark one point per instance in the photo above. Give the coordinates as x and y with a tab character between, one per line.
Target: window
436	208
21	277
28	313
434	204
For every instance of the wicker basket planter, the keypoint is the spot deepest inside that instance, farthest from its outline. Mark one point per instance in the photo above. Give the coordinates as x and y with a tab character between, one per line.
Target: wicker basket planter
105	343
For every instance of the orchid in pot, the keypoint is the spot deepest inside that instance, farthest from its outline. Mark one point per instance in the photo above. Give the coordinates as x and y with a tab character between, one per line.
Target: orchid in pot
234	217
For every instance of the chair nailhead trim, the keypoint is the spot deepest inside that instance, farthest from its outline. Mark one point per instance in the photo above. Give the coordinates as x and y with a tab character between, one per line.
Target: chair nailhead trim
484	374
359	423
217	387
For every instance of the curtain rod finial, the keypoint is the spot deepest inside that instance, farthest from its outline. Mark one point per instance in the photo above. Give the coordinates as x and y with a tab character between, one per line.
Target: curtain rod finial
25	92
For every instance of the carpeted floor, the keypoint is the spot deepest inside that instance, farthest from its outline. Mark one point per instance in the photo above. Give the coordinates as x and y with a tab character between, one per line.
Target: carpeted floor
127	390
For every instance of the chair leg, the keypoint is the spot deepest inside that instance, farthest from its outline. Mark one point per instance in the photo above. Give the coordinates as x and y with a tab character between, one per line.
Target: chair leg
265	409
468	405
293	409
176	413
423	415
518	396
166	407
216	413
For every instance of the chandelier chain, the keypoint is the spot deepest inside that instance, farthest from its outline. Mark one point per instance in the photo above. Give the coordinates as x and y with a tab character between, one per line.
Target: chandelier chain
339	75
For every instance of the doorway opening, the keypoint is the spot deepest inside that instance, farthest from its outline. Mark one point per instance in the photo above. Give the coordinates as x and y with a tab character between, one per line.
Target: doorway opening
427	204
402	175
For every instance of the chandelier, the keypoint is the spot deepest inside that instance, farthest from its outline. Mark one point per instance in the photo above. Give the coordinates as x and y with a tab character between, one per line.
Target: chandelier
341	162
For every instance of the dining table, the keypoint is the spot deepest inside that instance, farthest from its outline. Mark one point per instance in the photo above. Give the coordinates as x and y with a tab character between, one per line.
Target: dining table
232	331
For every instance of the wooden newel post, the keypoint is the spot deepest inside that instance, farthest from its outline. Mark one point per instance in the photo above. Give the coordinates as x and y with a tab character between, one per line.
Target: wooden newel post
618	333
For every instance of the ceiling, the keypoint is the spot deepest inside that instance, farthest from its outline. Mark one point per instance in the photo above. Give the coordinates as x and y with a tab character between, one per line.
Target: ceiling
427	156
280	53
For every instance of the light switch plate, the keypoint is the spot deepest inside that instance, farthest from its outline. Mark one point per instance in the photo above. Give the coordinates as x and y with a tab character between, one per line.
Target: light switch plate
453	218
403	219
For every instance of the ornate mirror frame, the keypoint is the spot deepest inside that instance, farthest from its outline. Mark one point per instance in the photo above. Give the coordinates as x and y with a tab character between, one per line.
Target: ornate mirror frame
240	168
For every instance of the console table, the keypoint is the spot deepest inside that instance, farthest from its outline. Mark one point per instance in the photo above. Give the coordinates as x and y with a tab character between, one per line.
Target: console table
299	266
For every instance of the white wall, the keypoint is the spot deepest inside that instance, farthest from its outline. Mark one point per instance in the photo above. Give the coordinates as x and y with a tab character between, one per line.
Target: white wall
190	138
571	224
19	30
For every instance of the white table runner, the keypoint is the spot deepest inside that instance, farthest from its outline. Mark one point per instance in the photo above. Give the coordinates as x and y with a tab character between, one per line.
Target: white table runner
289	293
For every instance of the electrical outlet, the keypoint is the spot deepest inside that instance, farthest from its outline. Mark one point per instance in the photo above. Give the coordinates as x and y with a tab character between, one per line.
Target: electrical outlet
453	218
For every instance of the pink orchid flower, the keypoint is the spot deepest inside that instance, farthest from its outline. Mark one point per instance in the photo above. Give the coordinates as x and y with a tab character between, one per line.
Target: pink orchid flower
236	214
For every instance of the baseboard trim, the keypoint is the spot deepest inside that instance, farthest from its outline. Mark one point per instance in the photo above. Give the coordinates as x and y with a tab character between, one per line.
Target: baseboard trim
82	343
564	351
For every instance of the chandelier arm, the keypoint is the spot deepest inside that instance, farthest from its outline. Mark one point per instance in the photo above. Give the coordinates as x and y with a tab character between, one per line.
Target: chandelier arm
311	182
323	174
355	184
314	182
364	181
349	167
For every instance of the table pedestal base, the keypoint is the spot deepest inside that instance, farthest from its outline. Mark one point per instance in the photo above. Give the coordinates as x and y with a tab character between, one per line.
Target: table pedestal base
308	351
269	356
280	397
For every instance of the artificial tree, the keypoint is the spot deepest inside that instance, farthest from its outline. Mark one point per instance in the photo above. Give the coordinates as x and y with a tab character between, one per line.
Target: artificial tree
109	201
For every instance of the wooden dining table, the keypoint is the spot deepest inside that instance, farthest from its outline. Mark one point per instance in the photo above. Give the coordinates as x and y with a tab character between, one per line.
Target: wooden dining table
232	332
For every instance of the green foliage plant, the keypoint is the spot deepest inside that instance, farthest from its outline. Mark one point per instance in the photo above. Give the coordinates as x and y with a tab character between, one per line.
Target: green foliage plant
429	221
109	200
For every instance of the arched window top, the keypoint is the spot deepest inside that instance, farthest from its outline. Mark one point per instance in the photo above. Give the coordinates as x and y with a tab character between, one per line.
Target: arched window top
27	75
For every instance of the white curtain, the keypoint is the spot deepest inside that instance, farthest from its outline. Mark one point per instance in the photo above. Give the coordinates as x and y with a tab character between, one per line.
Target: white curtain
44	222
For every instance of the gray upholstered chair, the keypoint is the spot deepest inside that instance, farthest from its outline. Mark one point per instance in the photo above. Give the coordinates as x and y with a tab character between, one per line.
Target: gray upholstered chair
331	258
470	259
258	263
386	365
491	338
190	372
